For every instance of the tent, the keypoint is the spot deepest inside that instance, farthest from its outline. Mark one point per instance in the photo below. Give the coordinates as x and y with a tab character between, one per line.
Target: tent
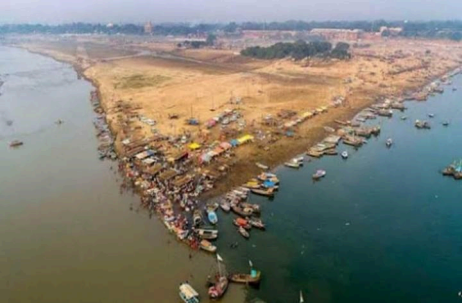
225	145
194	146
245	139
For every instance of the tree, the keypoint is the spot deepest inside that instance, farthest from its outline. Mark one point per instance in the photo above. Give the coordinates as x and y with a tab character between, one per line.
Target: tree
210	39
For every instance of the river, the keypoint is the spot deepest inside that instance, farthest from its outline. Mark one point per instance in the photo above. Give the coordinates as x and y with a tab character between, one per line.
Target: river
382	226
66	233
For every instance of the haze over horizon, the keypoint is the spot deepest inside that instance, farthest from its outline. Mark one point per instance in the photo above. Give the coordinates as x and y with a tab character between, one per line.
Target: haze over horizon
59	11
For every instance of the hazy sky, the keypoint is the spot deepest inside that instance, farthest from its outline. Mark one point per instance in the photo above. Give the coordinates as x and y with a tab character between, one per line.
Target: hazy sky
60	11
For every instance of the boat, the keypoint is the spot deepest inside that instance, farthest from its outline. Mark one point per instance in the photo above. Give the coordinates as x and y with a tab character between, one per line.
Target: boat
257	223
243	212
422	124
16	143
197	217
254	207
268	177
207	246
188	294
251	279
264	192
252	185
319	174
211	206
239	222
403	117
218	289
207	234
389	142
212	217
314	153
445	123
344	154
301	297
225	206
292	164
269	185
243	232
431	115
331	152
262	166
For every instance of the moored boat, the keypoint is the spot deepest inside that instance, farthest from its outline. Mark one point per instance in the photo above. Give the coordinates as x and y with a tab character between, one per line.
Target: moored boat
207	246
255	207
225	206
239	222
292	164
207	234
212	217
251	279
218	289
319	174
188	294
344	154
257	223
243	232
243	212
264	192
422	124
197	217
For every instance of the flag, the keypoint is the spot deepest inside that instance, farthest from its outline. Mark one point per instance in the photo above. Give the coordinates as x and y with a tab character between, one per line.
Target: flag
219	258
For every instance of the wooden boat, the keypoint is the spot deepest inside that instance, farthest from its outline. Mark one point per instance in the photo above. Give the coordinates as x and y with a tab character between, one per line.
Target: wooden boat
243	212
257	223
353	141
16	143
239	222
314	153
262	166
212	217
344	154
292	164
331	152
254	207
207	234
211	207
251	279
188	294
389	142
263	192
385	113
252	185
243	232
219	288
422	124
207	246
197	217
225	206
319	174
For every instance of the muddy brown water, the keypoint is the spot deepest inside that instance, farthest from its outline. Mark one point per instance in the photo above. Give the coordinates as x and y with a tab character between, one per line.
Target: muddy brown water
66	232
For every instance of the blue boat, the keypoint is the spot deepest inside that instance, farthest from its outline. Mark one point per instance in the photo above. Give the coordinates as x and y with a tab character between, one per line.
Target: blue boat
212	216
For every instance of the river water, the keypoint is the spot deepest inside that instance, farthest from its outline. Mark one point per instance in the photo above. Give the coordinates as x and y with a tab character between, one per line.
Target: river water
66	234
382	226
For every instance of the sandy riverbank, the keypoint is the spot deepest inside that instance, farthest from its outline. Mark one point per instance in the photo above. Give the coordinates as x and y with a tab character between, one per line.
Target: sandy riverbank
201	83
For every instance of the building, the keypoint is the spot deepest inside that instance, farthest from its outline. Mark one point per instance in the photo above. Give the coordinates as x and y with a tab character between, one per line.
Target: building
337	34
148	28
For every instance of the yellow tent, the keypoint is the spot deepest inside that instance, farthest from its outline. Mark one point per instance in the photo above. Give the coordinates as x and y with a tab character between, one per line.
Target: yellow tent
194	146
245	139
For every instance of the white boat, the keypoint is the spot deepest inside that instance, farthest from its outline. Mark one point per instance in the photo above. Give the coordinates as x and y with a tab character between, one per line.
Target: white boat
225	206
188	294
389	142
344	154
431	115
207	246
262	166
292	164
319	174
301	297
